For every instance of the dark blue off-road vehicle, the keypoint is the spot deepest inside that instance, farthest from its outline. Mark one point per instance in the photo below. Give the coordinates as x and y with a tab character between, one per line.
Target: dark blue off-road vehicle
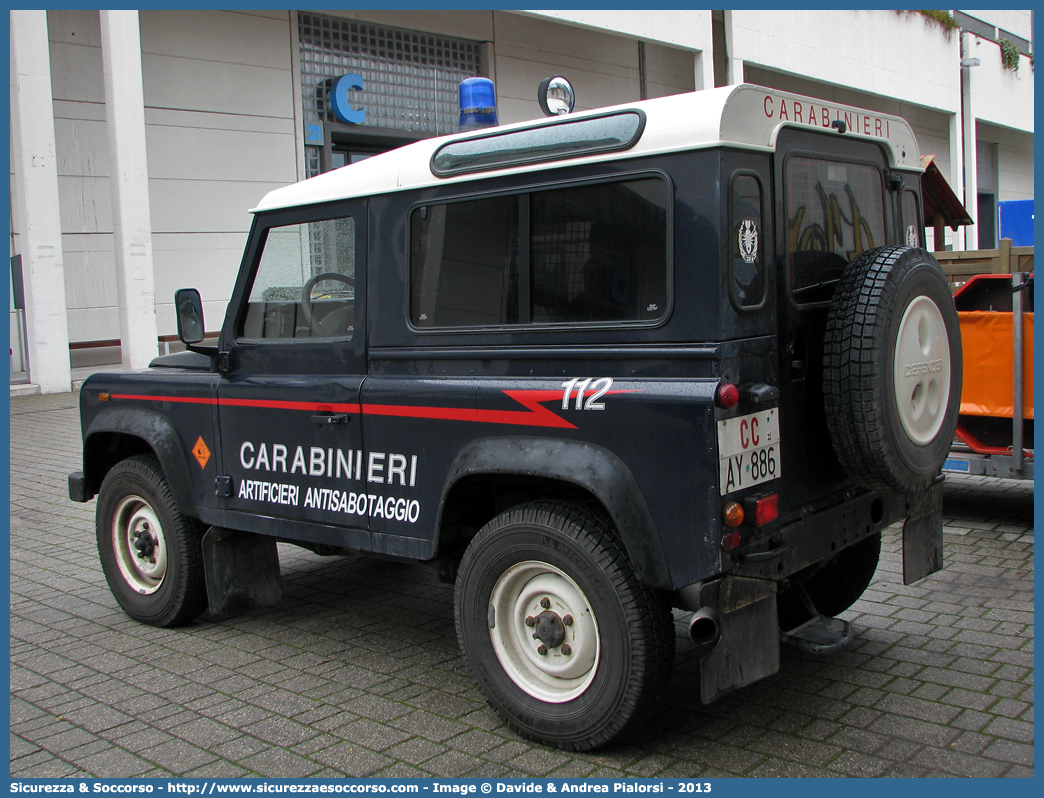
688	352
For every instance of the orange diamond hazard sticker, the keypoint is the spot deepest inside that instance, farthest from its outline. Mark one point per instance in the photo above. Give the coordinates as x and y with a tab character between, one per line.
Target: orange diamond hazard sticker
201	452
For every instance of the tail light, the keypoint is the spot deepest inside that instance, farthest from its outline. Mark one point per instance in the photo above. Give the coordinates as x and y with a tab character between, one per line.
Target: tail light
727	396
762	509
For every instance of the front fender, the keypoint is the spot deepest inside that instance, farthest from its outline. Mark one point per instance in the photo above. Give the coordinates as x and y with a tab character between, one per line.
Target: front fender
156	431
597	470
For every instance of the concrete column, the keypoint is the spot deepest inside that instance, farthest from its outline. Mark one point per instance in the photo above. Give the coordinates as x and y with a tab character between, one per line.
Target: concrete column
129	181
970	158
37	218
703	66
734	66
956	174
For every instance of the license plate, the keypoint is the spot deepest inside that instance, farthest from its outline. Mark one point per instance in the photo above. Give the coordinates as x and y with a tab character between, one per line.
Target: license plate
748	450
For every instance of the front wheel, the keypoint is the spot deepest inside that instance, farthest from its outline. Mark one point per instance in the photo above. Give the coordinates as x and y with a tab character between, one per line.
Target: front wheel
565	642
151	554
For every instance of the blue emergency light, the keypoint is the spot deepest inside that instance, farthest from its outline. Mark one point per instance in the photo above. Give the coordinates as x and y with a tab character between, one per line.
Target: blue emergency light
478	103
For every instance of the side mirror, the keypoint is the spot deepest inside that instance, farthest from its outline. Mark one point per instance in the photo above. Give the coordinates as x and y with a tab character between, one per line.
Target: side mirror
190	315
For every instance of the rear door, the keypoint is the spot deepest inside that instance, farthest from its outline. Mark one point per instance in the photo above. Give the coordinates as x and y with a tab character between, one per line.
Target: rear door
832	203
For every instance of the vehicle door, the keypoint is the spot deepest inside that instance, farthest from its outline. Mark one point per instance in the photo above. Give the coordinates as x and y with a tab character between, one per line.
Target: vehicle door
289	400
832	203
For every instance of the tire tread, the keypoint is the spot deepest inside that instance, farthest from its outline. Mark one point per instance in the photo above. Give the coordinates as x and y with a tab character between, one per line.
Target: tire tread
857	414
190	596
648	616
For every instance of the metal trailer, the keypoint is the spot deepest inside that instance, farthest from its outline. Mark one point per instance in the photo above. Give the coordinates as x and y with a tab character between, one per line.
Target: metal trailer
969	454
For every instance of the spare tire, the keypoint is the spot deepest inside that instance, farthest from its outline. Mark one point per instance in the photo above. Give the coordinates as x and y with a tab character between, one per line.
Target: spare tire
892	369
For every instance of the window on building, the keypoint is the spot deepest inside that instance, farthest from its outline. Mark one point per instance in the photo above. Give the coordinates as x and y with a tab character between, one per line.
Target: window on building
986	221
592	253
410	78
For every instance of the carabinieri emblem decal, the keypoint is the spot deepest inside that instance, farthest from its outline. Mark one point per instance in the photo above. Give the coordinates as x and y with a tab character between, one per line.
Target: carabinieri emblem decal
748	241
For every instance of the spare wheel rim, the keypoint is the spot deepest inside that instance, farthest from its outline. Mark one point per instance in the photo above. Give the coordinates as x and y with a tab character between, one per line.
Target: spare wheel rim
921	370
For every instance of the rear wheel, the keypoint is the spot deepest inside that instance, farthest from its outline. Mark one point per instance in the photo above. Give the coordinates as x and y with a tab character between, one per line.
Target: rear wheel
150	553
565	642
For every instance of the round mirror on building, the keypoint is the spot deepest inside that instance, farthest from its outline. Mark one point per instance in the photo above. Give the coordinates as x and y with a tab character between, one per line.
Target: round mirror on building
556	96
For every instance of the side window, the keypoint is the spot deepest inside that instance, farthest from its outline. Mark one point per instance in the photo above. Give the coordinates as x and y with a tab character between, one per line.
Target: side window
912	221
304	286
747	262
835	211
591	253
464	263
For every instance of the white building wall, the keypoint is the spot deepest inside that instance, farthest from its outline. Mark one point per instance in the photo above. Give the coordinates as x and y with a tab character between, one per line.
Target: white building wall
677	31
83	174
1014	160
603	67
220	129
1018	22
221	125
899	55
1000	96
685	29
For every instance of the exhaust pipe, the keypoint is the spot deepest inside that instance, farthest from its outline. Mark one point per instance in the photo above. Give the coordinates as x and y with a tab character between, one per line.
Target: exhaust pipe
704	630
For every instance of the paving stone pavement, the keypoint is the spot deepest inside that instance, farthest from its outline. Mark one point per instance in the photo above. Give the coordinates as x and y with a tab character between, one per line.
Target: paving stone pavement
357	671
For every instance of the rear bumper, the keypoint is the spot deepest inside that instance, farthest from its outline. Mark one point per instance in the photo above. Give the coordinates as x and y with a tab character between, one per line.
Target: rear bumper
818	536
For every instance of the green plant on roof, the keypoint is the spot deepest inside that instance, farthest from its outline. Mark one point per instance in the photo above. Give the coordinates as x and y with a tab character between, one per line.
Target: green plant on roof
1010	55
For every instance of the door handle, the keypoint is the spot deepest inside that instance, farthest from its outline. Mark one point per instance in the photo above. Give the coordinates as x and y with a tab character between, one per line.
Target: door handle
321	419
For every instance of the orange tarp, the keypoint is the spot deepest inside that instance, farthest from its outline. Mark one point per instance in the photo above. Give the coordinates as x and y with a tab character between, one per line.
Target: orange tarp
986	337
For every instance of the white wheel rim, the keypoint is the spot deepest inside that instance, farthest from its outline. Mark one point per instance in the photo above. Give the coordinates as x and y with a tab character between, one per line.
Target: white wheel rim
135	524
565	671
922	370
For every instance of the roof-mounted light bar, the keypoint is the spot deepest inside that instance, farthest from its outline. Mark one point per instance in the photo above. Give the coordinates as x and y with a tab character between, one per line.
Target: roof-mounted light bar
570	138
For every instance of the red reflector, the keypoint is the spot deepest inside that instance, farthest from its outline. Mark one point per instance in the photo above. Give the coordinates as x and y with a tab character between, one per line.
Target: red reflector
730	541
766	509
728	395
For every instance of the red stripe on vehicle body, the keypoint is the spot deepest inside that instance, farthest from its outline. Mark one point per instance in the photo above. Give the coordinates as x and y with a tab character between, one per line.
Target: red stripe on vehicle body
534	416
274	404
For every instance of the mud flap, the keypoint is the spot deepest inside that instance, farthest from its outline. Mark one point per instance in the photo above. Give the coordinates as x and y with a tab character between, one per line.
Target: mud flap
749	645
242	571
923	536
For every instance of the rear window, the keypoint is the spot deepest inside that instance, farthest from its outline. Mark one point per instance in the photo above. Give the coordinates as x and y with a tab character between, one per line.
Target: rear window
835	211
595	253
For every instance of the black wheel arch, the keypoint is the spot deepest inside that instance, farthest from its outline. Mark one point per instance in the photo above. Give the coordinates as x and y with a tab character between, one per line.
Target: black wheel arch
550	468
114	435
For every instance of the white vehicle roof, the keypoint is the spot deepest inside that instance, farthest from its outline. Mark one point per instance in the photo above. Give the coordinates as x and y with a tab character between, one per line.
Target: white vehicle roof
744	116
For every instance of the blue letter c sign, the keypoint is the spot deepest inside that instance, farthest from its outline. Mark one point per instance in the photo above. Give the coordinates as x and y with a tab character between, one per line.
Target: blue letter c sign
339	99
